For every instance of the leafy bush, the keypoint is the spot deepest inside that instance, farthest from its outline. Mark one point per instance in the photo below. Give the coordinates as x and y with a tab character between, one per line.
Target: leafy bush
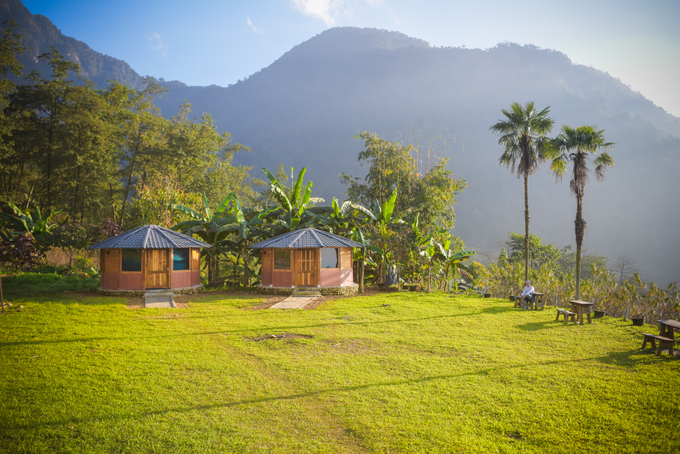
634	297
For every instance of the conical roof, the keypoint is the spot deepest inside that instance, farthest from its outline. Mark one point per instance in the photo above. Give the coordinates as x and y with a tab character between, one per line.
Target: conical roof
150	237
306	238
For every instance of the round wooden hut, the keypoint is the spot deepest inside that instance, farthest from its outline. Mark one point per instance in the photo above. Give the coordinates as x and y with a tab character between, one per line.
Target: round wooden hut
307	258
150	257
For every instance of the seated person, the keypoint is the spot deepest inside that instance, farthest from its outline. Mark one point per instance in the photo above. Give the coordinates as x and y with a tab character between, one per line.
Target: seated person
527	294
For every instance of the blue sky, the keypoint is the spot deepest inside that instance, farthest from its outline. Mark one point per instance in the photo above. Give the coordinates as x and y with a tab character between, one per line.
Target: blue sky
219	42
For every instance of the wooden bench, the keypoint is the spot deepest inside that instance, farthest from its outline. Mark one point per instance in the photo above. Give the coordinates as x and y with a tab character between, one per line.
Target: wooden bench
518	302
664	343
567	315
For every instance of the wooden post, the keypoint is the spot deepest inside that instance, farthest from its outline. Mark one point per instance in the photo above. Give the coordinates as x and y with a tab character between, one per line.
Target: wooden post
171	266
361	279
555	300
592	308
2	297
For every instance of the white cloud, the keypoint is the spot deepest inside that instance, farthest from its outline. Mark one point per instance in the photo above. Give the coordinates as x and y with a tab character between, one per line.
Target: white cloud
255	29
157	44
326	10
330	11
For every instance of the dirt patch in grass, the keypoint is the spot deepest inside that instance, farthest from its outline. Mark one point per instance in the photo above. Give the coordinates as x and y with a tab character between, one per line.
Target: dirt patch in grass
279	337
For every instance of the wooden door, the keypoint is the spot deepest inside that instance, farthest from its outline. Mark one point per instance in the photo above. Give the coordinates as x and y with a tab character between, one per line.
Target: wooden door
306	268
157	268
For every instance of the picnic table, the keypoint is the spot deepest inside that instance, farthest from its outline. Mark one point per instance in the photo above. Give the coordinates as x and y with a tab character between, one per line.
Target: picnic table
578	306
538	300
668	327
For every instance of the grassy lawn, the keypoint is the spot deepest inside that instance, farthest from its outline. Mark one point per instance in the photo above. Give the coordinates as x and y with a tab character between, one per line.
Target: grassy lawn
399	372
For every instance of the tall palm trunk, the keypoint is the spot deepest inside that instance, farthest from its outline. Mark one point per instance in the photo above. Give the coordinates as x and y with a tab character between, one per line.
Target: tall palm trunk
526	227
580	226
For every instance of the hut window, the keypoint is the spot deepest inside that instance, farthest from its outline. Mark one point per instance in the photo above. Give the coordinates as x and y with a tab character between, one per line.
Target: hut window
132	260
281	259
329	257
180	259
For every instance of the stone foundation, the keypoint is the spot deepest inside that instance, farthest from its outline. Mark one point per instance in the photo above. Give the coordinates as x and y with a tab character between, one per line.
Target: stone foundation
344	290
134	293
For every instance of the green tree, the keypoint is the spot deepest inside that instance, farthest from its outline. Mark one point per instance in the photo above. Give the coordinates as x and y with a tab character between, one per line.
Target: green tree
10	47
160	191
41	106
581	146
140	139
539	254
523	134
567	262
428	192
202	158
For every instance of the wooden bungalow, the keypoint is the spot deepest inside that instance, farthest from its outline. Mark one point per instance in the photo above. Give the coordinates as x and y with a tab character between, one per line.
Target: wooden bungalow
150	257
307	258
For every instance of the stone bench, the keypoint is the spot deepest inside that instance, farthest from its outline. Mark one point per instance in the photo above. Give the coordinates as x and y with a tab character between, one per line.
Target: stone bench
567	315
664	343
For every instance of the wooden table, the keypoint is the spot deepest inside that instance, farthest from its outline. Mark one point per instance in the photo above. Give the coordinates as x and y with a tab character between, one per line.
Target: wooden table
577	306
668	327
538	299
2	299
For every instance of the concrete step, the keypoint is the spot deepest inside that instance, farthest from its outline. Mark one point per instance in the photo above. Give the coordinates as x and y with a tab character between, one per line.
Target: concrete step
306	291
159	299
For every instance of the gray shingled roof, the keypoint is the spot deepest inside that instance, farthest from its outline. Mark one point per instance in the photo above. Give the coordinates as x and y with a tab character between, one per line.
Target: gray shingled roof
306	238
150	237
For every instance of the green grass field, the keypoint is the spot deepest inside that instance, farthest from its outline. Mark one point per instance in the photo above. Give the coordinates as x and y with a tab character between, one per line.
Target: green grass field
399	372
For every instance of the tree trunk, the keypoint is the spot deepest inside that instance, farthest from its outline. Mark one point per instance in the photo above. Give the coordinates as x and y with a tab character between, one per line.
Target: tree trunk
361	280
580	225
526	227
245	264
127	194
429	278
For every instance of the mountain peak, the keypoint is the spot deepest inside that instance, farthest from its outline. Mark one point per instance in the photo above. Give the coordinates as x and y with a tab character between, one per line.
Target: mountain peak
344	40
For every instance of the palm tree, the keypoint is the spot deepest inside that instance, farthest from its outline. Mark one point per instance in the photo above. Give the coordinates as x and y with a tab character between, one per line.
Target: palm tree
577	145
523	134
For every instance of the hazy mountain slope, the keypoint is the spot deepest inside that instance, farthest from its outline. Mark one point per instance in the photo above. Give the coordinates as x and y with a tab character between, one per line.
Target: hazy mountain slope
39	34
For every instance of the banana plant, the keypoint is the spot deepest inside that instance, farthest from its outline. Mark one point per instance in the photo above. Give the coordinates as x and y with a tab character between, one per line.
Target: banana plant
293	207
33	222
211	227
439	248
454	261
248	228
339	217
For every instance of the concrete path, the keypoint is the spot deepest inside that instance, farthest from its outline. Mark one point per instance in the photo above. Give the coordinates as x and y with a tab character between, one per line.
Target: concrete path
159	300
294	302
